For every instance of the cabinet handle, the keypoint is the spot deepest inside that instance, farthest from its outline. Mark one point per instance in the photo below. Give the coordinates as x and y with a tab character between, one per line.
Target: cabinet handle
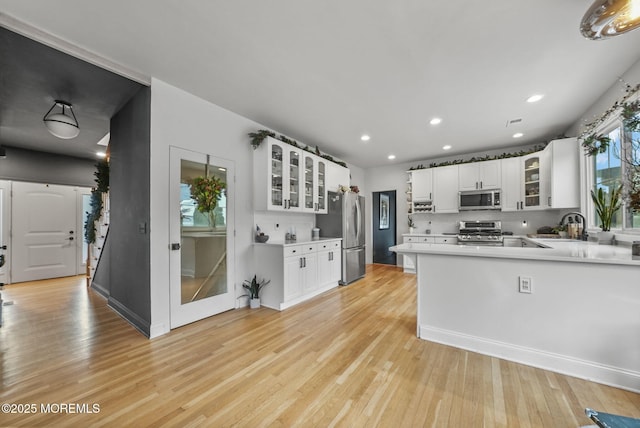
549	201
430	195
304	263
481	184
301	266
476	185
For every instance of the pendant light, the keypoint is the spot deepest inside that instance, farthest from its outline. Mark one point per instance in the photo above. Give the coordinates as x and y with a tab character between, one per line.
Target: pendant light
608	18
62	124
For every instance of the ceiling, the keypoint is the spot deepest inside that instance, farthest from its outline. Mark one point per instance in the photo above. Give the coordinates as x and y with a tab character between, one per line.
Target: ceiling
324	73
34	75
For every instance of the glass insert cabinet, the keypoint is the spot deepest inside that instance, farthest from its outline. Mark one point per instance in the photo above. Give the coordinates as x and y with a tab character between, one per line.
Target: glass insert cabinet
295	178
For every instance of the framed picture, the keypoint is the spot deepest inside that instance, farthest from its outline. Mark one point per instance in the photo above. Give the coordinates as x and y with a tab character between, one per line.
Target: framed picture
384	211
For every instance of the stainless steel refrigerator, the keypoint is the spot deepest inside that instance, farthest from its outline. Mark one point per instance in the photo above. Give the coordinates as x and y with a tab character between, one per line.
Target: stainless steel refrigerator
345	219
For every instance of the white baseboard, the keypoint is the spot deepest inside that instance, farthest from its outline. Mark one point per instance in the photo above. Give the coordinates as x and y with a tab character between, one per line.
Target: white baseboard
588	370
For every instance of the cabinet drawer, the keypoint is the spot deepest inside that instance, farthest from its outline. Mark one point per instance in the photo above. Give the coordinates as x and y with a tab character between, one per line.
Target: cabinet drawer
294	250
309	248
419	239
331	245
442	240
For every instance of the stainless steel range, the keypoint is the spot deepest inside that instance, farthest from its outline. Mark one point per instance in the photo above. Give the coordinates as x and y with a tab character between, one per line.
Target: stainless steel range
480	232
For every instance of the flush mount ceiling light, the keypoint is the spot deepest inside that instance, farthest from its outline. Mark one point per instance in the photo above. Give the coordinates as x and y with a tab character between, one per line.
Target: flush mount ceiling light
608	18
62	124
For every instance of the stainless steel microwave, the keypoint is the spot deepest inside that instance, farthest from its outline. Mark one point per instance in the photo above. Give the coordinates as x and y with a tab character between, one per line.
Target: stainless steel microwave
479	200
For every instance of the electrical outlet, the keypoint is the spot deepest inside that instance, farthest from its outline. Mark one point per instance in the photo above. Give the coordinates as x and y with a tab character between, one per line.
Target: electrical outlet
526	285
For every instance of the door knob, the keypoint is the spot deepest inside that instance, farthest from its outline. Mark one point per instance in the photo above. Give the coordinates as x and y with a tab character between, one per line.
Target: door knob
71	232
175	246
71	238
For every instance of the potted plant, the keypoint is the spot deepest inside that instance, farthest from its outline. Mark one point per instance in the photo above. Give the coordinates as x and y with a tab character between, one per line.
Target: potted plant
606	207
254	287
561	230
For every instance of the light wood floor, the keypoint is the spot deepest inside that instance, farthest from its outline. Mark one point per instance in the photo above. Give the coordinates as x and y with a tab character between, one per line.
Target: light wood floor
348	358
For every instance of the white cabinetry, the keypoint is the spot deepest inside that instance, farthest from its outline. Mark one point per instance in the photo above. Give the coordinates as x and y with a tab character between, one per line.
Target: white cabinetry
287	178
329	263
422	190
547	179
407	264
445	189
337	176
511	196
564	182
480	175
315	188
297	272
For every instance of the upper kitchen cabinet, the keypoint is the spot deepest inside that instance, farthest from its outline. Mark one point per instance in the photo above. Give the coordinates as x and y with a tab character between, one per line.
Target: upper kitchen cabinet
287	178
543	180
480	175
512	191
277	176
337	176
445	189
563	188
315	188
422	190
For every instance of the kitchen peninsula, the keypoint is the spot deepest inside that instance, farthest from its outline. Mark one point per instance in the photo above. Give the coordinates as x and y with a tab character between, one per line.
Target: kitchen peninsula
573	307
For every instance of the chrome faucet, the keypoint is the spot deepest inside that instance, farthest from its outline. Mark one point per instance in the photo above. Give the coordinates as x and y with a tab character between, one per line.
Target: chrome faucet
583	234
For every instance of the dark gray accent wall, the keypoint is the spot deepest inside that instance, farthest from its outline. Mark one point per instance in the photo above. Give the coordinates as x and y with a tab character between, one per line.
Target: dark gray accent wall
128	259
41	167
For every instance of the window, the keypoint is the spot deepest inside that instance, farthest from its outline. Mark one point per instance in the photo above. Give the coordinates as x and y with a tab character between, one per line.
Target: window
608	172
619	164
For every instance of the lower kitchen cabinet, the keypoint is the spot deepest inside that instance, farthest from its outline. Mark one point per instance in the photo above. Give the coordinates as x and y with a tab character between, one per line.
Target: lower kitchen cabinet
407	264
297	272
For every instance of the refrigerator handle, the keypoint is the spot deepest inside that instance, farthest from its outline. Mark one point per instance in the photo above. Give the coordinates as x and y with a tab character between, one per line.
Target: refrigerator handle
359	218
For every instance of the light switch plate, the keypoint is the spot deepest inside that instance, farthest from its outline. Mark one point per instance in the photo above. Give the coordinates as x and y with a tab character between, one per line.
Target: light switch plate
526	284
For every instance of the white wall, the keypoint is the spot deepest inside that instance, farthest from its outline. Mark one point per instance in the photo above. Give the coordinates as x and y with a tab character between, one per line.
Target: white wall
613	94
184	120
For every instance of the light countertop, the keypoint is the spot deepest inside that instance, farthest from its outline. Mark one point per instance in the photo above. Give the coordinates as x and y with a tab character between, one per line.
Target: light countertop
558	250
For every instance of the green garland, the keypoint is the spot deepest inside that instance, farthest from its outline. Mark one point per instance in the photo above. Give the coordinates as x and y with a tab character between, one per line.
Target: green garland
536	148
258	137
594	143
94	213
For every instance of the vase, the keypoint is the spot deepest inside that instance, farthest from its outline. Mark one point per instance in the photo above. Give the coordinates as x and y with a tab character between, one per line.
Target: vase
254	303
212	219
605	238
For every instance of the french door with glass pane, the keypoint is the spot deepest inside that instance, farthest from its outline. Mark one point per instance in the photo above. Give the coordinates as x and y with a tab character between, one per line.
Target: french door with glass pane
201	262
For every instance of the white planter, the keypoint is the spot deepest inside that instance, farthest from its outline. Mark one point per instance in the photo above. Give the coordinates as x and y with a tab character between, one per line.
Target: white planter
605	238
254	303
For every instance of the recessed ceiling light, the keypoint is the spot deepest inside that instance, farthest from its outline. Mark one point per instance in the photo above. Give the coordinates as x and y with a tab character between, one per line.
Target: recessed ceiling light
518	135
435	121
101	154
534	98
447	147
365	137
391	157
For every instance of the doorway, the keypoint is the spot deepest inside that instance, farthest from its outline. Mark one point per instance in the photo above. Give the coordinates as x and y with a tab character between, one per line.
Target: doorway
384	227
45	242
202	232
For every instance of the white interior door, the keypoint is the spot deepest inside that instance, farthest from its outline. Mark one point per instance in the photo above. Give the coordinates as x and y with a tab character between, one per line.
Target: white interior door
202	250
44	236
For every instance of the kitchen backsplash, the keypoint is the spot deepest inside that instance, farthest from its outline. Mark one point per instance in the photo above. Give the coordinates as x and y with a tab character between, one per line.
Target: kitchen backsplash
302	223
511	221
